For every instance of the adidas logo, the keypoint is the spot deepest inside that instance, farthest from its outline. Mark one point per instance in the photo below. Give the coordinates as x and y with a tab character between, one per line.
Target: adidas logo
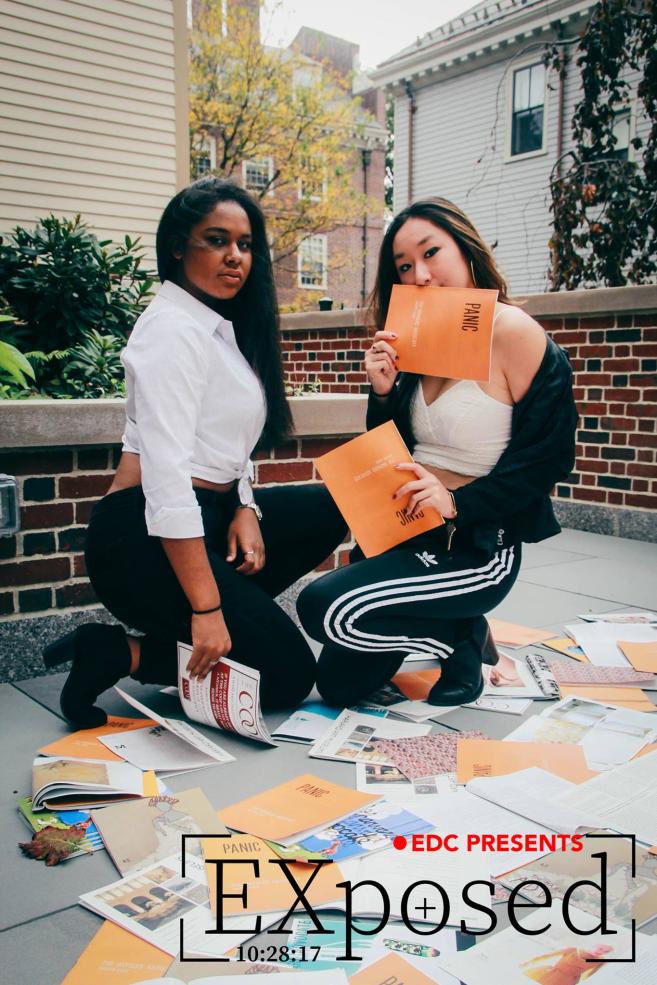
427	559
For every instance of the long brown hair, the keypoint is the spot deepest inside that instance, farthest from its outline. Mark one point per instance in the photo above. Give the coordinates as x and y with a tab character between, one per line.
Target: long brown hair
452	220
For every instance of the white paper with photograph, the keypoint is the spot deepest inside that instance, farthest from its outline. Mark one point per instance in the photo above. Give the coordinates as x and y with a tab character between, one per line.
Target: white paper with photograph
228	698
349	738
624	798
608	735
183	730
556	956
150	902
390	782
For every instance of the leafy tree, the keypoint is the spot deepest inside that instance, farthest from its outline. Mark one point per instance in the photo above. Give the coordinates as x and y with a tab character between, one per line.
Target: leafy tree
389	180
604	207
259	103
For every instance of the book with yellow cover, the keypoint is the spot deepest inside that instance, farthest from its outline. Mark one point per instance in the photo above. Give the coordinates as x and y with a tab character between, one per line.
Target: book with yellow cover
443	331
86	743
294	809
362	479
498	757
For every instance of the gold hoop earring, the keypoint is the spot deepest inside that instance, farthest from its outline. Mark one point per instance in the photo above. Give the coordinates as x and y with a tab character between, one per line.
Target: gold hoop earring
474	279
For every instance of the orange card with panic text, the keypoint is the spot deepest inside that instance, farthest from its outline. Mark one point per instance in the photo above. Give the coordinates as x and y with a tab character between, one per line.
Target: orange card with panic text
362	479
442	331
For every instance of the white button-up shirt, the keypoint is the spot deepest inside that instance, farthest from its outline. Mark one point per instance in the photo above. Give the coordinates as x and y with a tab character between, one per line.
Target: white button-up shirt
195	408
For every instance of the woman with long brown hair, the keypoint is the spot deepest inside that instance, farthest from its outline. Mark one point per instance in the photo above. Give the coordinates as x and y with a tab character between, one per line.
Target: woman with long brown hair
486	456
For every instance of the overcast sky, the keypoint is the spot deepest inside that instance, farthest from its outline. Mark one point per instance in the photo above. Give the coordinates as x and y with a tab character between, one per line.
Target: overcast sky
380	27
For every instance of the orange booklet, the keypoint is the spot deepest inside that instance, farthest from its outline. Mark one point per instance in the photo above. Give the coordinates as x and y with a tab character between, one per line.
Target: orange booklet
443	331
642	656
497	757
392	970
85	744
294	809
271	890
514	636
361	477
115	955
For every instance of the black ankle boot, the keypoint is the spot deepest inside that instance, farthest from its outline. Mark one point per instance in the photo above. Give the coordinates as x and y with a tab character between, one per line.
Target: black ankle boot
461	679
101	657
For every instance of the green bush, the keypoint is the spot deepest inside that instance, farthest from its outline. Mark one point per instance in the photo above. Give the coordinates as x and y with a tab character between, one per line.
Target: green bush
73	299
61	282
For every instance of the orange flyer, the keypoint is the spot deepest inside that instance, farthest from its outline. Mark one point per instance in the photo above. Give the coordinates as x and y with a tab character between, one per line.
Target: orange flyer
642	656
85	745
443	331
115	955
301	805
362	479
496	757
271	891
510	634
392	970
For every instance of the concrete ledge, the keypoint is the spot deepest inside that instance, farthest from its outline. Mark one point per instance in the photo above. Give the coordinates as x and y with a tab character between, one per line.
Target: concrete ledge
583	304
616	521
50	423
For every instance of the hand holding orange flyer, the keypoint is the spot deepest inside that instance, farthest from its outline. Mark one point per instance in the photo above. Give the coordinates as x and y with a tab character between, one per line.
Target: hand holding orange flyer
361	477
443	331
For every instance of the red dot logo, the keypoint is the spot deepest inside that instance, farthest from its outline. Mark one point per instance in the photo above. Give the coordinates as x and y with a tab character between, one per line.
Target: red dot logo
399	843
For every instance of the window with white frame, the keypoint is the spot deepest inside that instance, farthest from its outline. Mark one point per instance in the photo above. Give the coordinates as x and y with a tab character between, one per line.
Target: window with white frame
313	252
528	109
621	130
257	175
206	156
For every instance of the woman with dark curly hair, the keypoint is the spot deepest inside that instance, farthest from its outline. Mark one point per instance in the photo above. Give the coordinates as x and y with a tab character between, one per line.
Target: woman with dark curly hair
181	548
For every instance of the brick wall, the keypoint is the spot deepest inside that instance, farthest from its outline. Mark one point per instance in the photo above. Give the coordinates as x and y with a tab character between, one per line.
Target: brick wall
42	568
615	363
332	358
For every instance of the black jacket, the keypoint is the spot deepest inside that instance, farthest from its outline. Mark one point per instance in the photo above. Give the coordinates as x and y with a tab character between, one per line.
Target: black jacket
515	496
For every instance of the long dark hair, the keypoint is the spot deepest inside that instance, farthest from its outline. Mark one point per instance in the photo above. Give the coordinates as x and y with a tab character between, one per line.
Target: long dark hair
254	310
452	220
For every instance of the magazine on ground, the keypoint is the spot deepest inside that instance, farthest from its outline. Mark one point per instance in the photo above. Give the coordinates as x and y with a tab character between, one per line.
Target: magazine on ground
350	739
59	784
92	841
370	829
182	730
295	809
228	698
144	832
151	901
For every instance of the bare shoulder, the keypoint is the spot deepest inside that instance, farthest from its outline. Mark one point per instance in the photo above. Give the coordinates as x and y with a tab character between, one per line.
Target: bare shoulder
520	343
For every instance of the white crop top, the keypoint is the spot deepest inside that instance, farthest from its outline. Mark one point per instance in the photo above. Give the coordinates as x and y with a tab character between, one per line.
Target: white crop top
464	430
194	408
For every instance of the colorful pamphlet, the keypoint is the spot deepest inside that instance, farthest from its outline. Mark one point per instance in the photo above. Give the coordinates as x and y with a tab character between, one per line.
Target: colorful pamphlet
145	831
565	645
86	743
228	698
443	331
630	874
497	757
116	956
61	819
294	809
566	672
362	479
368	830
351	738
513	678
68	783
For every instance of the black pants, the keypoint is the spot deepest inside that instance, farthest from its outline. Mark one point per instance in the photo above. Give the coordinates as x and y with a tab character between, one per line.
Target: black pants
135	581
415	598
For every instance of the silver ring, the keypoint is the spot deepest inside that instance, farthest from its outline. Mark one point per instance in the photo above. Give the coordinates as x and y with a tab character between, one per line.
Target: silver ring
213	663
246	553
